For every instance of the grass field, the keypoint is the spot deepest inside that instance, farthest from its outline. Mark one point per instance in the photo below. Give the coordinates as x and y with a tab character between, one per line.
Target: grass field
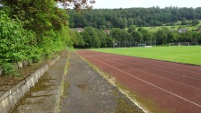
175	28
182	54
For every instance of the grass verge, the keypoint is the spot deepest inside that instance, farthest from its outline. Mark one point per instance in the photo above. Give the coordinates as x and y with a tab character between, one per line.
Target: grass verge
179	54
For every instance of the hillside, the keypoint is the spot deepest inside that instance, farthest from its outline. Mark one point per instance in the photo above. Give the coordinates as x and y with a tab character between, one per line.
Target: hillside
143	17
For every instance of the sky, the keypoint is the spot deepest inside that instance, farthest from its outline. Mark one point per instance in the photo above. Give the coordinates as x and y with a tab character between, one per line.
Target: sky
110	4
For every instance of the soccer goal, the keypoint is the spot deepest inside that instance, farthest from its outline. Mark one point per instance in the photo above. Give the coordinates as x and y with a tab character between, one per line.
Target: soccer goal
141	45
179	44
173	44
183	44
194	43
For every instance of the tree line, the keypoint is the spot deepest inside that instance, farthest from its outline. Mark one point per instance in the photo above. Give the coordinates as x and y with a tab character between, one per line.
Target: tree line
92	37
123	18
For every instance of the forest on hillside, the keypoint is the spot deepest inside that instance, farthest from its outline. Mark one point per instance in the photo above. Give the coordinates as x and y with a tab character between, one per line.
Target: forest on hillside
123	18
130	27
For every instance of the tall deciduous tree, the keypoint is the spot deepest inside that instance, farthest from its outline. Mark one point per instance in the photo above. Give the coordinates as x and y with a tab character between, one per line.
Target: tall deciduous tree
161	36
137	36
90	38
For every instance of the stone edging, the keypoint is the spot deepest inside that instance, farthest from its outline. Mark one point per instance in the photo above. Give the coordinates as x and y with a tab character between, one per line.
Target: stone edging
11	97
61	86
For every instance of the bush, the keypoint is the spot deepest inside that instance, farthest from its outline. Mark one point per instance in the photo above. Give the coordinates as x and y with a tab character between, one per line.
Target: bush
16	43
12	39
7	68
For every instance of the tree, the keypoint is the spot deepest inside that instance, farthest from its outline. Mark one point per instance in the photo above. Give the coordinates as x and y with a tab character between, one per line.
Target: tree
195	22
142	30
116	32
106	40
139	16
171	37
130	22
91	38
77	39
16	43
161	36
199	38
137	36
148	37
185	37
124	37
131	29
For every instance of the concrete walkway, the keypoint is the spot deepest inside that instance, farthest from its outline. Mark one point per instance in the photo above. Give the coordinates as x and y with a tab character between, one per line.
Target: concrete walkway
44	97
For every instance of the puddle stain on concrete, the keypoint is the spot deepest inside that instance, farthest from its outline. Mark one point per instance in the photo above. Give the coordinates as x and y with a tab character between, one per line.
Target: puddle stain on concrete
82	87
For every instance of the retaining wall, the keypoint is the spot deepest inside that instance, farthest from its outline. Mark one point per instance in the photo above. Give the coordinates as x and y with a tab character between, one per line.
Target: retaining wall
11	97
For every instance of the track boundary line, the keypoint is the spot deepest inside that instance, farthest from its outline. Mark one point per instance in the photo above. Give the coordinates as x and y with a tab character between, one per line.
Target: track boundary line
159	61
164	70
169	92
158	76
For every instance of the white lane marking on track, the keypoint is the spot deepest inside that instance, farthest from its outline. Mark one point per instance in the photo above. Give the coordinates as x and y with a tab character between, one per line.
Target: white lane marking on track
158	76
174	69
167	66
169	72
149	83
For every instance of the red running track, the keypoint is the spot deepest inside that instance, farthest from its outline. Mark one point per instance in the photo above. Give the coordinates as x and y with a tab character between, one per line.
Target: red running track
171	86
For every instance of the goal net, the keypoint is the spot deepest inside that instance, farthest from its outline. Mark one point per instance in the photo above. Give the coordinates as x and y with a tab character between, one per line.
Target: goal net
194	43
141	45
183	44
173	44
179	44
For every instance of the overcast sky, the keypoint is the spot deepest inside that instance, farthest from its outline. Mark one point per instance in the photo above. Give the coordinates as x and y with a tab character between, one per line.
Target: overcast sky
145	3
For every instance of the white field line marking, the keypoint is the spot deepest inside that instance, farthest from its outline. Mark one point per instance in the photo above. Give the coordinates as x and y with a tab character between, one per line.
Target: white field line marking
149	83
158	76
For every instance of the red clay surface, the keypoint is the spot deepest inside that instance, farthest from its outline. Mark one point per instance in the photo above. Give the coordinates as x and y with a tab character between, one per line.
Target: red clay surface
171	86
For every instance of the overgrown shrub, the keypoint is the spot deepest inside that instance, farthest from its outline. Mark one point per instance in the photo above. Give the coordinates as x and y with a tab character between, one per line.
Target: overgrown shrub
16	43
7	68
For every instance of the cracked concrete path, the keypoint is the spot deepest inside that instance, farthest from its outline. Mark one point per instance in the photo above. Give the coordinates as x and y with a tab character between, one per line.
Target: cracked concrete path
44	97
87	92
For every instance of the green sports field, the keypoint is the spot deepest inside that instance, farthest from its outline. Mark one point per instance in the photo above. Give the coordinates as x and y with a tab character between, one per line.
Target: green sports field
183	54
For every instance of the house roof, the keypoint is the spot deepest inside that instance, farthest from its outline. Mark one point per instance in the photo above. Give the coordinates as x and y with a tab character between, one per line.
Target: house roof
182	30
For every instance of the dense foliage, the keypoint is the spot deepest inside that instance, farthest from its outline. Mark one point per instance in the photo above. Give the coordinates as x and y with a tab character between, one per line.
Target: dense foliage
31	30
16	43
122	18
93	38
